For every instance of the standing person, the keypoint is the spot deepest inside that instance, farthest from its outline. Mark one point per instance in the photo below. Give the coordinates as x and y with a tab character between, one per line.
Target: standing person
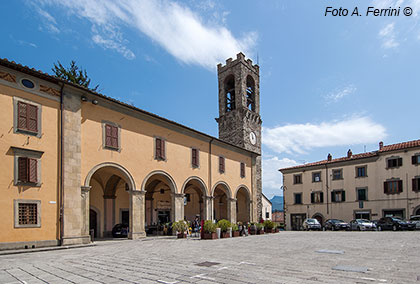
196	224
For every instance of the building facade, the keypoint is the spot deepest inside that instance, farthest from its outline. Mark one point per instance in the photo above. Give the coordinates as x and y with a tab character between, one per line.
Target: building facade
77	162
267	208
370	185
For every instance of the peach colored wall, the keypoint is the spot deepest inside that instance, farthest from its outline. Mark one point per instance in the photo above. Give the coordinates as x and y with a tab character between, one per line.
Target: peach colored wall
49	171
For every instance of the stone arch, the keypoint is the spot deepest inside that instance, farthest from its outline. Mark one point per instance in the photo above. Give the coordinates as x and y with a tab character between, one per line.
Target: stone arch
319	217
245	187
225	185
199	180
243	204
124	171
196	198
416	210
168	178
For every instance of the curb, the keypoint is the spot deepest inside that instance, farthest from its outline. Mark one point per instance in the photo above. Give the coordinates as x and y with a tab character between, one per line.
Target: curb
20	251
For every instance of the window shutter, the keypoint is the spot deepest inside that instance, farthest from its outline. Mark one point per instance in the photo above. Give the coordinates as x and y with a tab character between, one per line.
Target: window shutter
162	147
22	118
23	169
332	196
400	186
414	160
399	162
221	164
312	197
158	149
114	136
32	118
33	170
242	170
385	187
321	197
194	157
108	135
343	196
414	182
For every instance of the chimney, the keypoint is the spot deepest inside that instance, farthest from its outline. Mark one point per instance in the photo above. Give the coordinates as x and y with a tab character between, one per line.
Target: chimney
381	145
349	153
329	157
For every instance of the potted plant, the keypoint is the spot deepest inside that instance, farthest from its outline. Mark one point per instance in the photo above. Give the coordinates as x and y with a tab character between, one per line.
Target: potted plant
260	229
269	226
209	229
252	229
235	230
181	228
224	226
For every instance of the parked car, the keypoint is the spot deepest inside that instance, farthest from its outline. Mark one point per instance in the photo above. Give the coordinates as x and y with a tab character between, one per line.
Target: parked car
311	224
395	224
415	220
362	225
335	225
120	231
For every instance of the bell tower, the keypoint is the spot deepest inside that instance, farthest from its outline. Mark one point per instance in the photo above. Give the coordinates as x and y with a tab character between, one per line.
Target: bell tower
239	110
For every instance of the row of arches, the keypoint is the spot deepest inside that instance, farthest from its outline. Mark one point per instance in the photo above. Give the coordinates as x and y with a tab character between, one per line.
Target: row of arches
112	188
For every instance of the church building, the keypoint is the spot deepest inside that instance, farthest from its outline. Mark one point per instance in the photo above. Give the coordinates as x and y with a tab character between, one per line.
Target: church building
76	163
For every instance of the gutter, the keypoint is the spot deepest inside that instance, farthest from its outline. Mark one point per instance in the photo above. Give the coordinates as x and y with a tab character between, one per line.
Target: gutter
326	184
61	190
209	178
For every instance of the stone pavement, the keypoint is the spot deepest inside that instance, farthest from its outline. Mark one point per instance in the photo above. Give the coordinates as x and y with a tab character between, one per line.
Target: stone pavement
286	257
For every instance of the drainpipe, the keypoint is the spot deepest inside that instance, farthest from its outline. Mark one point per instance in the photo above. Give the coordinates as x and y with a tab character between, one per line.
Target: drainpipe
326	183
209	179
61	192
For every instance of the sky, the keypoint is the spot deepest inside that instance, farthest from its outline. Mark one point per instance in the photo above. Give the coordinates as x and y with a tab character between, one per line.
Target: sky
327	83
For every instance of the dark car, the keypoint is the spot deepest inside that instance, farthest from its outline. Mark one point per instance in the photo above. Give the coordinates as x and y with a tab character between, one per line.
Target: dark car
335	225
394	224
120	231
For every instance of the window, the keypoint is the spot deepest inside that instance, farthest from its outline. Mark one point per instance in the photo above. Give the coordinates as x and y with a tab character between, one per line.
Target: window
297	179
242	170
27	117
415	160
337	174
27	213
394	162
298	198
416	184
267	215
221	165
393	186
250	93
317	197
316	177
195	159
27	167
361	194
362	215
28	83
111	136
338	196
361	171
230	93
159	149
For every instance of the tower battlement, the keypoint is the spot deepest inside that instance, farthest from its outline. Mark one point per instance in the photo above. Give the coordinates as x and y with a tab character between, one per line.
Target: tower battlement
240	58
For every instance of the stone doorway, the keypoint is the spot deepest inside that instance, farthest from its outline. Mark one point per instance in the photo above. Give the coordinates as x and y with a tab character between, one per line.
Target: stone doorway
195	200
220	202
243	205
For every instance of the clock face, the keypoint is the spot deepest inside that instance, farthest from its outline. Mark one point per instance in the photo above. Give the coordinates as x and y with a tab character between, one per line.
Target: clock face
253	138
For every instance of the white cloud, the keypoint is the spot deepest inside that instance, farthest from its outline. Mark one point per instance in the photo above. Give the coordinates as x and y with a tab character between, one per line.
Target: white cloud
49	21
388	36
299	138
173	26
113	44
338	94
272	178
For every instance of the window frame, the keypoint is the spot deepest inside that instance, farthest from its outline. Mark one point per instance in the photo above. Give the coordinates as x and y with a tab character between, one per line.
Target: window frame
26	153
294	179
197	158
357	193
242	169
357	171
335	171
222	170
16	129
335	192
397	158
416	156
313	176
161	157
398	182
415	180
294	198
113	124
16	203
321	197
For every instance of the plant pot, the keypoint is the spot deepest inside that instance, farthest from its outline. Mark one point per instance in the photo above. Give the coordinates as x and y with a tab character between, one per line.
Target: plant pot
181	235
277	230
235	234
209	236
260	232
269	231
225	235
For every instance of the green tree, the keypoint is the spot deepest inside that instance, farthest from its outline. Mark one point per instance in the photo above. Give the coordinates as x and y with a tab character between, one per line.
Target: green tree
73	74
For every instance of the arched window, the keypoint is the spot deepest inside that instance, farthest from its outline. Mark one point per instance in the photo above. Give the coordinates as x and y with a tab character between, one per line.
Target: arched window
230	93
250	93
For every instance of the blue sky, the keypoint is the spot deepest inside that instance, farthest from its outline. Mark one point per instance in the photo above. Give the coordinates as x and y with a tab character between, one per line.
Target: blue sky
327	83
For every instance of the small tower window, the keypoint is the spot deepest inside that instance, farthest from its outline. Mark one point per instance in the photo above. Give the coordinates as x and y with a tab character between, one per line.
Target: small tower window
250	93
230	93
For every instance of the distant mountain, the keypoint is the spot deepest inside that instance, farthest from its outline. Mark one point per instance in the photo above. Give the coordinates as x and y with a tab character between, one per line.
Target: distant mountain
278	203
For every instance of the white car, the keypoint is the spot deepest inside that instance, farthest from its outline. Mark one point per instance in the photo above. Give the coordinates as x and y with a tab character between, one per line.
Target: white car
416	220
362	225
311	224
